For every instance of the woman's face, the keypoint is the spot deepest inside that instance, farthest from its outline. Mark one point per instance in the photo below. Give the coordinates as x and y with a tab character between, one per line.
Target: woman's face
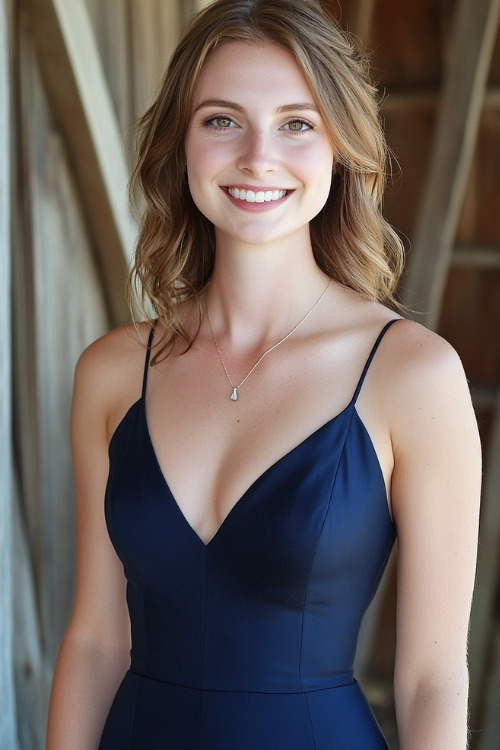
258	155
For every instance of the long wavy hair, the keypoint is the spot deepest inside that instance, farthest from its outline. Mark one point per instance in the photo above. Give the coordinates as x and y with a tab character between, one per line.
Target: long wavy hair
351	240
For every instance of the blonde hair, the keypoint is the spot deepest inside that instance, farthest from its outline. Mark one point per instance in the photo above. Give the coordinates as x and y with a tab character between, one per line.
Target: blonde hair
351	240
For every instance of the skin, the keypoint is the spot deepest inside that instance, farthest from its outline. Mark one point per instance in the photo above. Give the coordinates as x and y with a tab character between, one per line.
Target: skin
414	404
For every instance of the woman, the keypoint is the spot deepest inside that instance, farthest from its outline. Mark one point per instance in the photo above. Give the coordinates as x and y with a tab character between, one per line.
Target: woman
290	424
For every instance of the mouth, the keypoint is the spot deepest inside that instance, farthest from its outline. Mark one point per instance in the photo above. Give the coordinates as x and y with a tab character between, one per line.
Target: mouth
256	196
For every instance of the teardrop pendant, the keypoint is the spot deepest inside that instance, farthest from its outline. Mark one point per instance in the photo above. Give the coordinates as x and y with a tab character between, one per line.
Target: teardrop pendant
234	394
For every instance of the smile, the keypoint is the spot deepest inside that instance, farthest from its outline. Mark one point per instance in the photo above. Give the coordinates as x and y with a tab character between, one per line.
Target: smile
259	196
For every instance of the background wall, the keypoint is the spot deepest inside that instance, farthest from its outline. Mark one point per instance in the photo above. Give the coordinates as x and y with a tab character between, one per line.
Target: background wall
74	76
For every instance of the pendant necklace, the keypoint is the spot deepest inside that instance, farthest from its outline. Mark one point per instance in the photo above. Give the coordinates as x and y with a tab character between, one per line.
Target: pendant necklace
235	388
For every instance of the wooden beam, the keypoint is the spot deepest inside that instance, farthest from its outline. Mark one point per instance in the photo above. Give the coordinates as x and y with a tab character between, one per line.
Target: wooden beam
155	27
487	573
483	397
8	729
359	18
400	99
32	668
490	721
484	258
473	41
83	111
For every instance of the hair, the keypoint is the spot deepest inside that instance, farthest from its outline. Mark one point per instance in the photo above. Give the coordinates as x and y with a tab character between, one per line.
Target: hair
351	240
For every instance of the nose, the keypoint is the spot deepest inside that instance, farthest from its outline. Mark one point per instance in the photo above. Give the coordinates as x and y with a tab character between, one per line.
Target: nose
258	154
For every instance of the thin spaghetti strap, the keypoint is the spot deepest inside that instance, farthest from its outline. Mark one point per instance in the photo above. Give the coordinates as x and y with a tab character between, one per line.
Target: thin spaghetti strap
147	358
371	356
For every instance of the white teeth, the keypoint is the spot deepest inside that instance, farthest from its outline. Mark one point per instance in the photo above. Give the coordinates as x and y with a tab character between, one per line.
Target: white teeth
261	196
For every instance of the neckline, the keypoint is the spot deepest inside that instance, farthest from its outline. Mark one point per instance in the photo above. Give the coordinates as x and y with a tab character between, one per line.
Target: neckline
351	406
236	505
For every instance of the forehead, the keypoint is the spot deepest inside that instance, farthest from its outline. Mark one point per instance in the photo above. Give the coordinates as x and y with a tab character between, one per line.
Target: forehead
252	70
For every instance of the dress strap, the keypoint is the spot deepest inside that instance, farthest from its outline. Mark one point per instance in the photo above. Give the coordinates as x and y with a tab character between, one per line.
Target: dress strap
147	358
371	356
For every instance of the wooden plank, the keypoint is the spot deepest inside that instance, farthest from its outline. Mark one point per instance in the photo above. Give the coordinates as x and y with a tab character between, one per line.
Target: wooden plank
486	258
58	307
8	729
155	27
111	26
397	100
31	669
359	18
473	41
199	4
489	736
83	110
488	566
483	397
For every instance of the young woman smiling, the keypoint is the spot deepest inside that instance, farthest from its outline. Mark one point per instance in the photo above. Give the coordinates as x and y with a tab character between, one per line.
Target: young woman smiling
245	459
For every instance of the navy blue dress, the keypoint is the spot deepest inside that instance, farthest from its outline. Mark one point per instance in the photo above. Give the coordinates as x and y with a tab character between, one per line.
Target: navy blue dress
247	642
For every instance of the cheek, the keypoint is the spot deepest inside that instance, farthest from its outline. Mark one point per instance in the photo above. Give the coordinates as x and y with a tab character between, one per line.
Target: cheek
318	170
313	163
203	155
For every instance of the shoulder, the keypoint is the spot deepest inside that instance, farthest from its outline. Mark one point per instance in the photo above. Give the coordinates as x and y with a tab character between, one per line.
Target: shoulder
420	353
108	374
419	360
425	388
113	348
114	357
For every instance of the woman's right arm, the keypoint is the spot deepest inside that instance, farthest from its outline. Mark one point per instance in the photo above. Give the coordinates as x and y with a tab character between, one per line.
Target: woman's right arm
94	654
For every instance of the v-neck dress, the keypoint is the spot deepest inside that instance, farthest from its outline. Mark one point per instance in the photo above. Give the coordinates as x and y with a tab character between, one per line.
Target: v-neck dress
248	642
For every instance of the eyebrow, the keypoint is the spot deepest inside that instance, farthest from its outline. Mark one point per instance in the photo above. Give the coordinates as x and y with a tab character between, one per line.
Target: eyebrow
225	104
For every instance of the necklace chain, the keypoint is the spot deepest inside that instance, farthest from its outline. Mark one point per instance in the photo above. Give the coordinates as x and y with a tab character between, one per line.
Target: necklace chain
235	388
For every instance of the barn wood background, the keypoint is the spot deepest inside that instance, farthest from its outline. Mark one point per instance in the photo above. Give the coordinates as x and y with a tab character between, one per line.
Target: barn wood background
74	75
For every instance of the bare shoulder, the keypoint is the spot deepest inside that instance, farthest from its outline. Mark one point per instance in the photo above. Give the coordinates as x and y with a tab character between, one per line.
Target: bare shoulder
108	375
417	358
109	352
425	387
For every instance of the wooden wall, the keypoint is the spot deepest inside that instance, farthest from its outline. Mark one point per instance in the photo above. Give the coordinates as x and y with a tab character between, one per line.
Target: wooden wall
74	76
7	715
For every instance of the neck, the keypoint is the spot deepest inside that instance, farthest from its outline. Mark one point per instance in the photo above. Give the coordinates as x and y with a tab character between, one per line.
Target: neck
256	296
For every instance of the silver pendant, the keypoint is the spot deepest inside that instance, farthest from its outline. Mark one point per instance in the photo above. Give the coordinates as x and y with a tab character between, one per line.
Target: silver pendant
234	394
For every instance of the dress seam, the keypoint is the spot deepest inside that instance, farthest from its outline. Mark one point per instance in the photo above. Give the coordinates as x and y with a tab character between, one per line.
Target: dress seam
313	558
133	716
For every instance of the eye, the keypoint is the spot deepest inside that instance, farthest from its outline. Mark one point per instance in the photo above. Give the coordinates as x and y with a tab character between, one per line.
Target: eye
298	126
220	122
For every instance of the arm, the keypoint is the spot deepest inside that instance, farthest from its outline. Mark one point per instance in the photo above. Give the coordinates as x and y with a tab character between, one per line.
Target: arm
435	497
94	654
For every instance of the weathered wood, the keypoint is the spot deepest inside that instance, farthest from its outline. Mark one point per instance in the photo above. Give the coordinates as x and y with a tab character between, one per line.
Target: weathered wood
359	19
8	730
489	736
111	27
429	98
155	27
199	4
59	308
484	398
81	104
474	36
31	668
488	566
477	257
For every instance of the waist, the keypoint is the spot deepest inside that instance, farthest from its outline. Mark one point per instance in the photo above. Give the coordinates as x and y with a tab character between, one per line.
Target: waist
169	716
239	685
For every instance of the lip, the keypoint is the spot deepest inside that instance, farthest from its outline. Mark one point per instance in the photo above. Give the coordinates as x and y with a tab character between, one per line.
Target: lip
262	195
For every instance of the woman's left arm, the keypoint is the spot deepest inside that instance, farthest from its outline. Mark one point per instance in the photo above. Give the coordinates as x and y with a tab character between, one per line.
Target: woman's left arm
435	495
